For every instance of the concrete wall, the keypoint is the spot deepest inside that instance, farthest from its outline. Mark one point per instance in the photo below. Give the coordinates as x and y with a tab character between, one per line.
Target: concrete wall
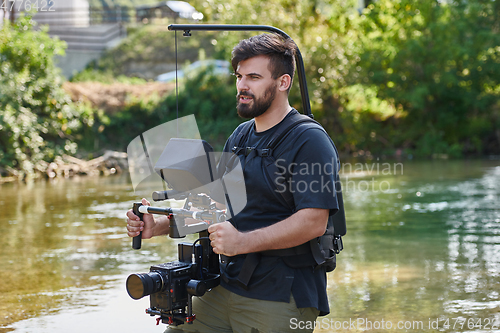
85	44
75	60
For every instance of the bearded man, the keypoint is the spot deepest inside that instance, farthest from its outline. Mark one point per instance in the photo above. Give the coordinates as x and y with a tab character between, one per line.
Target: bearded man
259	291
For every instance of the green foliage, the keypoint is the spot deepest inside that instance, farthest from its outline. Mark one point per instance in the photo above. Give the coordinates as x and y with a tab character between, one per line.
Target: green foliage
116	130
37	118
91	75
441	64
381	80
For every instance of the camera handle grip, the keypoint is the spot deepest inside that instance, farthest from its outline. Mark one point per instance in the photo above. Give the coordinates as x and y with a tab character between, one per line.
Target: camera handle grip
136	241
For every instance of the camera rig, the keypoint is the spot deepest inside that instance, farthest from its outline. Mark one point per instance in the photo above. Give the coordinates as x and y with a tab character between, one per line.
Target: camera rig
172	285
186	165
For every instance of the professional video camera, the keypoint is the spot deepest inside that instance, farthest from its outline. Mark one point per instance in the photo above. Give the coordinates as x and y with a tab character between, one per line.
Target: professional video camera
186	165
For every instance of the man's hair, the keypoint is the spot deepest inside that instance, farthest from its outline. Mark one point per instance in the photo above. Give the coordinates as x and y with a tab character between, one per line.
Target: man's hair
280	50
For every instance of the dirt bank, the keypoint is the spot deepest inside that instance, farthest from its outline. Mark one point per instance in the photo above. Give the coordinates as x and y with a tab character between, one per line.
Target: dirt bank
113	97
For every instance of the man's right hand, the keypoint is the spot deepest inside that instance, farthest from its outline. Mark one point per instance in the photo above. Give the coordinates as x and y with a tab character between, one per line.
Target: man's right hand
135	225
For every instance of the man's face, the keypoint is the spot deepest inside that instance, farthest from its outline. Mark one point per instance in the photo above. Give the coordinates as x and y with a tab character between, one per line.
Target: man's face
256	87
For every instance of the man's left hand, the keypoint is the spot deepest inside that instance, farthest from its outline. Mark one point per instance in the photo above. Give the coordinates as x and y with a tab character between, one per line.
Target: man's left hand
226	239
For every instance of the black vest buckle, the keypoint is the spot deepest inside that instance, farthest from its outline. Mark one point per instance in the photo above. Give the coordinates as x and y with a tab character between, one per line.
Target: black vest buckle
265	152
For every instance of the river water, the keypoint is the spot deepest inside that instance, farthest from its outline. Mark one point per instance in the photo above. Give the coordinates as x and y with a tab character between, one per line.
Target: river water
422	253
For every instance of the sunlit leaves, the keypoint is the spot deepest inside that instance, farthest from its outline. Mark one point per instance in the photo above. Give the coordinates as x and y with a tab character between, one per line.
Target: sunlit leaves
435	60
36	117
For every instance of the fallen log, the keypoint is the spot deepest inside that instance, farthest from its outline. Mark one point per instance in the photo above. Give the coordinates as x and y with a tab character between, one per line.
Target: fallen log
111	162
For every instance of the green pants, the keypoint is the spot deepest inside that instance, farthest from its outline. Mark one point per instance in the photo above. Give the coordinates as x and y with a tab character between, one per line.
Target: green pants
221	311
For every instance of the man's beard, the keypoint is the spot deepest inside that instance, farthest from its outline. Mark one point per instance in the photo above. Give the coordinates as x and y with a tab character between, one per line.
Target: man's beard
260	105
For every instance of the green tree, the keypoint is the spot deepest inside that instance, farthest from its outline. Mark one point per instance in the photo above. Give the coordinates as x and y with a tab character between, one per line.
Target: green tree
439	63
37	118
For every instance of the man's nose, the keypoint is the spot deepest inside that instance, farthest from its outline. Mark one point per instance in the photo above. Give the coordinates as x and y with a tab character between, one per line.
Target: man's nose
241	85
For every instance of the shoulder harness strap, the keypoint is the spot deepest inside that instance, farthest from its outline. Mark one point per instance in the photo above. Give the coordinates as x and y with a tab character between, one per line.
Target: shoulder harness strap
316	248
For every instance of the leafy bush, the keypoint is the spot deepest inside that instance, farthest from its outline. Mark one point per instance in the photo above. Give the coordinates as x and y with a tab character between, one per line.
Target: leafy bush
37	118
418	75
89	74
440	62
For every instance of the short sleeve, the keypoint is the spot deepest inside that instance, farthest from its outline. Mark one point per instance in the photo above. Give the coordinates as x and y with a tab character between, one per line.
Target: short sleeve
313	170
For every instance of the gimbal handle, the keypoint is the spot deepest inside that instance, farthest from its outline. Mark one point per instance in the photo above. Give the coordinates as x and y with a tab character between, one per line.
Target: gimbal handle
137	240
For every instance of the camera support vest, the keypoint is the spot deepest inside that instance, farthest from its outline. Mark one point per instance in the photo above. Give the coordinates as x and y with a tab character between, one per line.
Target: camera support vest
319	252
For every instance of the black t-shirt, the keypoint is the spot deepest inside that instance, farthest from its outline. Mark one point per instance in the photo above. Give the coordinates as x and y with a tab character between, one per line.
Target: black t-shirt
309	162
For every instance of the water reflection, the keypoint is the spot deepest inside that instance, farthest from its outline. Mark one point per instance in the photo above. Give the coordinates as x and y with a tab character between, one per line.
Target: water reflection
434	234
424	247
66	248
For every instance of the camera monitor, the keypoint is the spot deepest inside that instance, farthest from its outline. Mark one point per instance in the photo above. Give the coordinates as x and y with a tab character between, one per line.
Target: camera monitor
186	164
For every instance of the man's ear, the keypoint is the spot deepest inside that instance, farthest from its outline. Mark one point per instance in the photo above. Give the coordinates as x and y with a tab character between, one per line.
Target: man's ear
284	82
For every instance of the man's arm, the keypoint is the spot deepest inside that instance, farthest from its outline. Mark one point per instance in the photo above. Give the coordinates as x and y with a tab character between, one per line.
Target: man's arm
301	227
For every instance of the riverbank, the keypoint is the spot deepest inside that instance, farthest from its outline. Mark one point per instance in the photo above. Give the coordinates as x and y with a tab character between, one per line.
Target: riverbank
65	166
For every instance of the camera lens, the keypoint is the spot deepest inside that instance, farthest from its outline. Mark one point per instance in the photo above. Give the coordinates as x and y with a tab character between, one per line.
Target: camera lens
143	284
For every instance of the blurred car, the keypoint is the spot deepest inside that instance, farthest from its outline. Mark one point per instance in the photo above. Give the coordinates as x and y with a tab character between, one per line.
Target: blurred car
218	67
